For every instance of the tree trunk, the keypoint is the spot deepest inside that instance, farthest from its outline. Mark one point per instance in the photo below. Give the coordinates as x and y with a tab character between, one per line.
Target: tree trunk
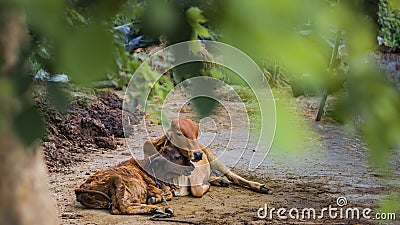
24	191
332	66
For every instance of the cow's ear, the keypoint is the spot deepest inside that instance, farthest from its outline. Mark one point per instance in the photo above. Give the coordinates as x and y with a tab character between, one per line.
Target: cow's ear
149	149
169	134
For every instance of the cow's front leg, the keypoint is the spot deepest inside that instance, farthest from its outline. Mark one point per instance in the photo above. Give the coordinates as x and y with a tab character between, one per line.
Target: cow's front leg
199	190
199	179
219	181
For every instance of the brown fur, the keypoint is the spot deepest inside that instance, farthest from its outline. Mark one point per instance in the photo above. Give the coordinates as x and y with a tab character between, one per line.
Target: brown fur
125	188
201	177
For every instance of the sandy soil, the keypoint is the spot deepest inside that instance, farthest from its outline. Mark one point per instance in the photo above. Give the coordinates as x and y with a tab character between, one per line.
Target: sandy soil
332	166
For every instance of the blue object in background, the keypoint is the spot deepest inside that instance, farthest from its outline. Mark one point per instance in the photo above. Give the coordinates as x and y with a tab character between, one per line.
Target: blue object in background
132	39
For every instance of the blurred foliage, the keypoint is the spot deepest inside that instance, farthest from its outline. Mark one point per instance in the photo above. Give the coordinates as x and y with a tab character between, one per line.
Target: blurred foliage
196	18
395	3
390	204
66	37
275	74
158	19
125	64
389	21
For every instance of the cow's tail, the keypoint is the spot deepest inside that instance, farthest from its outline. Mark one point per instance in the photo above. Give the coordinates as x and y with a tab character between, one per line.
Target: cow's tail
79	198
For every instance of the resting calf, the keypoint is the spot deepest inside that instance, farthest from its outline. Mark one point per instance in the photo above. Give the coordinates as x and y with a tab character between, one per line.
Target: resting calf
127	187
183	135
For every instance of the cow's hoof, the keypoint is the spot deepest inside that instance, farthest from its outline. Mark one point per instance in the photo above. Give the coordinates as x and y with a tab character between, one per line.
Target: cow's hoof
160	214
169	211
158	211
264	189
224	183
151	201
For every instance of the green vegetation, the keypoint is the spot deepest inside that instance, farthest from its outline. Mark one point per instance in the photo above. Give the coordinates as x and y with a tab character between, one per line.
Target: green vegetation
389	20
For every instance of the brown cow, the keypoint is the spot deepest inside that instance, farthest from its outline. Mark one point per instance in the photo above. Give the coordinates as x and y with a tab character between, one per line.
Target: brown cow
183	134
125	188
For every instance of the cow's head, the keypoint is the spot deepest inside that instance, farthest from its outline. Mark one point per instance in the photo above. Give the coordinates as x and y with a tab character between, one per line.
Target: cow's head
169	163
183	134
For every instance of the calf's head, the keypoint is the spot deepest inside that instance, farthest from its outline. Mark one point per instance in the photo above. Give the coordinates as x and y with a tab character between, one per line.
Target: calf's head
183	134
169	163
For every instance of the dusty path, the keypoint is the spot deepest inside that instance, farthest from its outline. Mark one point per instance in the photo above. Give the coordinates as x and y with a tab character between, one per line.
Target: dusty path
334	167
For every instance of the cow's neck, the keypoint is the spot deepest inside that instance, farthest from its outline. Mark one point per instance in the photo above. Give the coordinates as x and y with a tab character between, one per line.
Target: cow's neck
144	163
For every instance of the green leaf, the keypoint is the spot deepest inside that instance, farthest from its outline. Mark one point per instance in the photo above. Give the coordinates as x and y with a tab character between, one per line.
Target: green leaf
216	73
202	31
57	97
195	18
390	204
44	15
194	14
203	105
29	126
395	3
87	54
287	136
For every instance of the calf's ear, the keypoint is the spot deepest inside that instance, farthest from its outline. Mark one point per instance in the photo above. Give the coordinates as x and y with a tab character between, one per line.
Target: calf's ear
169	133
149	149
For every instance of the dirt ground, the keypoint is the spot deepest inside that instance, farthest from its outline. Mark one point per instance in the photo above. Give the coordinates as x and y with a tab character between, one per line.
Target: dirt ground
334	165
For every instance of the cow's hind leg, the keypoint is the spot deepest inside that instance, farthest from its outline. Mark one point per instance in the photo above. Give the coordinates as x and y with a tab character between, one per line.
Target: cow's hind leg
137	208
92	198
122	204
236	179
